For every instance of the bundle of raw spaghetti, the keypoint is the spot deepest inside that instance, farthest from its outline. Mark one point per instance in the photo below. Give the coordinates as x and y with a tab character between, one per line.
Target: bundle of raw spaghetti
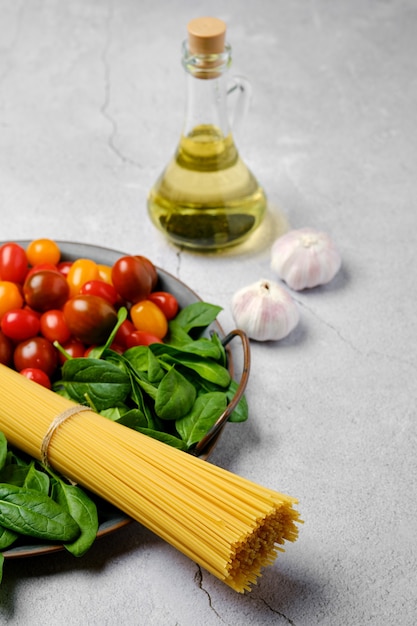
229	525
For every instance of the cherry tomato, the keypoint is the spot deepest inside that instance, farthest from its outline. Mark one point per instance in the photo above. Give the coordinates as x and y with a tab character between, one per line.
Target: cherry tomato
125	329
41	266
100	288
54	327
6	349
10	297
37	375
90	318
141	338
64	267
167	302
20	324
148	316
150	267
13	262
81	271
131	278
104	273
46	290
36	352
73	348
43	251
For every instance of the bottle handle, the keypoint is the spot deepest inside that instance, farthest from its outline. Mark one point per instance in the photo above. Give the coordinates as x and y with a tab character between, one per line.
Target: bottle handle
239	93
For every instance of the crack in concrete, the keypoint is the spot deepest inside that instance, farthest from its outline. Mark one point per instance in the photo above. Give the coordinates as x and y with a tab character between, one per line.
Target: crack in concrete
105	107
287	619
376	353
199	580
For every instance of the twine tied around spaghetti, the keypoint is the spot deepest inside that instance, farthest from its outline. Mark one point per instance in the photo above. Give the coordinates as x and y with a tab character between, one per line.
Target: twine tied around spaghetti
56	423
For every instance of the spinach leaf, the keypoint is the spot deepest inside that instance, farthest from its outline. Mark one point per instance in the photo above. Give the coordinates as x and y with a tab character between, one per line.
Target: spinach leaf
132	418
207	369
37	480
197	315
7	537
83	510
175	396
171	440
241	411
101	381
3	450
206	410
28	512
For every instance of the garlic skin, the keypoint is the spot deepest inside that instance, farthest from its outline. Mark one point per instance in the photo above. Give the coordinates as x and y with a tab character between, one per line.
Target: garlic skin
265	311
305	258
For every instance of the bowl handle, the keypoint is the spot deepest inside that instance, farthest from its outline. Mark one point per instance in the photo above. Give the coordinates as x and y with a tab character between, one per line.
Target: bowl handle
205	445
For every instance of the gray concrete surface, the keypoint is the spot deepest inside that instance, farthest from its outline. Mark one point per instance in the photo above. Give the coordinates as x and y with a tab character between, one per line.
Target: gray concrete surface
91	106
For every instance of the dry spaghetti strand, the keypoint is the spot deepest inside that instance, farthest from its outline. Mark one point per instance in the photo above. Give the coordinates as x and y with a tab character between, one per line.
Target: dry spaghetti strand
227	524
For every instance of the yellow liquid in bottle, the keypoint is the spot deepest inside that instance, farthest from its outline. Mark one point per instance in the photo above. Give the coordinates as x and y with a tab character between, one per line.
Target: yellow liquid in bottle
207	198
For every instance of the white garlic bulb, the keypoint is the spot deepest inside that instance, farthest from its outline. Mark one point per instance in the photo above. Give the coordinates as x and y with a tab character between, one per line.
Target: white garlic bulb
305	258
265	311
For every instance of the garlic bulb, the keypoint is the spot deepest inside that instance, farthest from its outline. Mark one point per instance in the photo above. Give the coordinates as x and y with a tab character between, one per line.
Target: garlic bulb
305	258
265	311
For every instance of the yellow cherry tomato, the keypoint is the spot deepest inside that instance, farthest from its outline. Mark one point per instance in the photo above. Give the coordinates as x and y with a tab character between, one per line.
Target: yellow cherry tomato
148	316
104	272
10	297
81	271
43	251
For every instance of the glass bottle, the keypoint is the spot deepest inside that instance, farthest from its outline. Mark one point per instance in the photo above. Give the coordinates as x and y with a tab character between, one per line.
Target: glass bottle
207	198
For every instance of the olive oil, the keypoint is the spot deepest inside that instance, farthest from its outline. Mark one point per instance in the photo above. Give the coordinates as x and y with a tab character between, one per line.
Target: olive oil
207	198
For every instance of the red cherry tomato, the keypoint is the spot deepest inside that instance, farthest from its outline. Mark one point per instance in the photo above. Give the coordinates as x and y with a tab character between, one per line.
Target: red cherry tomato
54	327
73	348
148	316
101	289
141	338
6	350
36	352
10	297
166	302
125	329
131	279
13	262
20	324
37	375
43	251
64	267
46	290
150	267
90	318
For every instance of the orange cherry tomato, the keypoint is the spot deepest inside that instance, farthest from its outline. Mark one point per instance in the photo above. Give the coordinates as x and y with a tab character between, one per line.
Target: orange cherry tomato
10	297
104	273
148	316
43	251
81	271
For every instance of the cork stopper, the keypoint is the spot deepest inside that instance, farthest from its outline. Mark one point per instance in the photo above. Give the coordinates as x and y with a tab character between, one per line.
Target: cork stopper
206	35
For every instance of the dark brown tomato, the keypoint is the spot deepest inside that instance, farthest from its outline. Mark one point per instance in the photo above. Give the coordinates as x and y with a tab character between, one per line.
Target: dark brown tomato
89	318
45	290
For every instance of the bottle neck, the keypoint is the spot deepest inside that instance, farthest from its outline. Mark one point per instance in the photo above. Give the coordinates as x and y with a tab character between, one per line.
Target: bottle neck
206	90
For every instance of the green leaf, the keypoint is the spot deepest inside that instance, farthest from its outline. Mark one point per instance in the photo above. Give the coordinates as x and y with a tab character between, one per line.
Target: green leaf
241	411
206	411
197	315
132	418
207	369
3	450
7	537
104	382
171	440
28	512
175	396
82	509
138	357
1	566
39	481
